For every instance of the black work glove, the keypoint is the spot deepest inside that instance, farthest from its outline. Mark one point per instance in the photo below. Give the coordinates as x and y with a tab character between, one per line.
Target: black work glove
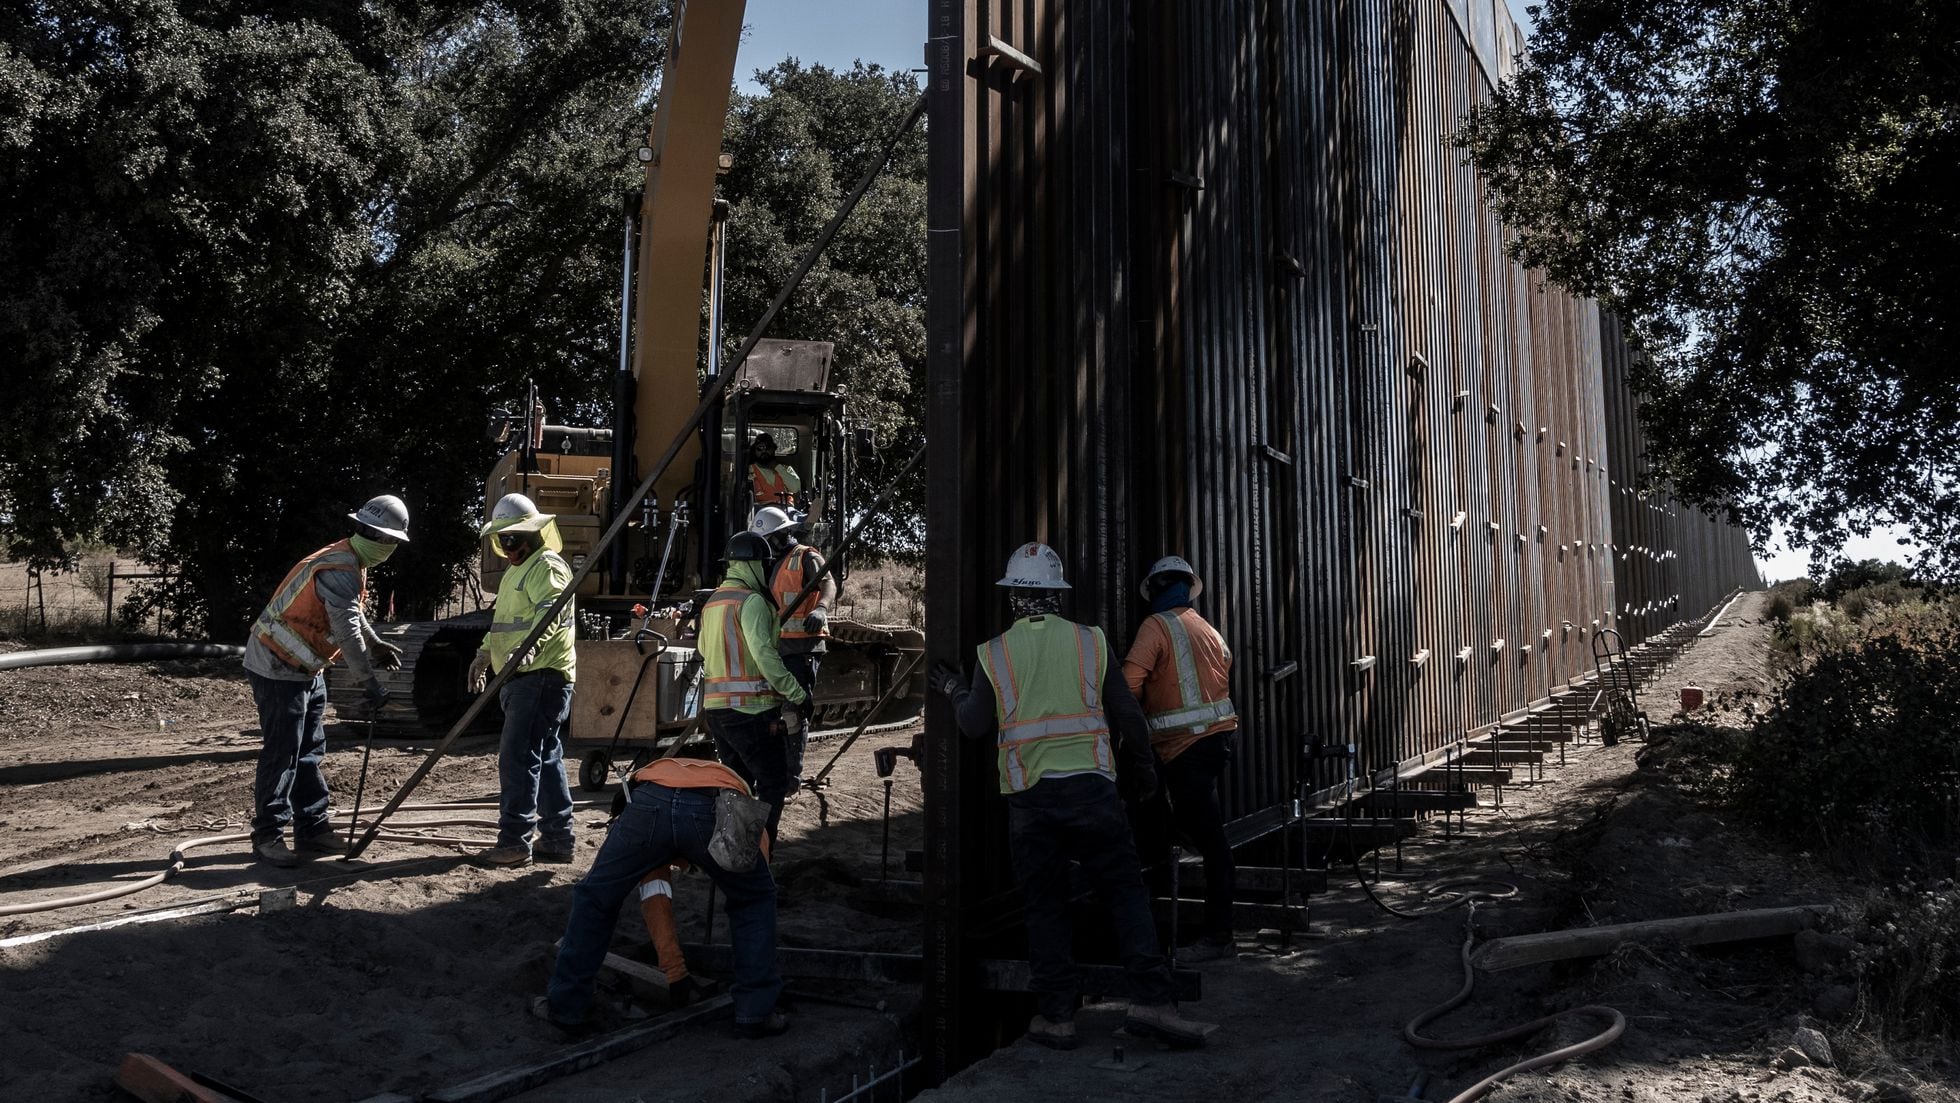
947	679
377	694
386	655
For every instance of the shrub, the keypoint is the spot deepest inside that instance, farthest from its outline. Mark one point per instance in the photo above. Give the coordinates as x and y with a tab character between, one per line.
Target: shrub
1908	962
1861	742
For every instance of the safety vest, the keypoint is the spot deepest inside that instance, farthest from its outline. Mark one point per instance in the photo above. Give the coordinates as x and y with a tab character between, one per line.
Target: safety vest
294	623
792	574
772	486
511	623
730	677
1192	713
1047	675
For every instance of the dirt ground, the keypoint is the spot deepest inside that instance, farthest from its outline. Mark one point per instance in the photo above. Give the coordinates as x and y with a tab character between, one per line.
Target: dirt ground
408	972
1606	838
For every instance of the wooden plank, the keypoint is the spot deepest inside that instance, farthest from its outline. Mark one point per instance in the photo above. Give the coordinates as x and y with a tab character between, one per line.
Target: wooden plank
1690	930
521	1078
152	1081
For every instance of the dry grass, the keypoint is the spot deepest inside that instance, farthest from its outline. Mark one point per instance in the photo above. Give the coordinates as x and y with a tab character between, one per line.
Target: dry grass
68	606
885	593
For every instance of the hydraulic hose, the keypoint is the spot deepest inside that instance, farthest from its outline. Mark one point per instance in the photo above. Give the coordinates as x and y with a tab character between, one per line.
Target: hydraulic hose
1412	1033
118	653
1463	894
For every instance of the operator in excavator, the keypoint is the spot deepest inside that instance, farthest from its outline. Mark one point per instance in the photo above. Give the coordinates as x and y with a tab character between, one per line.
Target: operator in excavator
538	698
1046	692
775	483
801	641
314	617
749	697
1181	669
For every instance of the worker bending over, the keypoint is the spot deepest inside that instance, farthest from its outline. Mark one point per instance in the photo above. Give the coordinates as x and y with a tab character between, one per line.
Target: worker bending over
536	699
1181	668
313	618
748	696
774	483
1046	693
670	815
805	622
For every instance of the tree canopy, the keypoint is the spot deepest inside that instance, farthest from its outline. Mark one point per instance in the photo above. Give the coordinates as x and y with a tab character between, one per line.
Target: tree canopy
1768	193
264	259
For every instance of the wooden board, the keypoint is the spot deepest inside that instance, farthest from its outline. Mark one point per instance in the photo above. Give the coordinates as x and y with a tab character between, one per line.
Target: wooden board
606	671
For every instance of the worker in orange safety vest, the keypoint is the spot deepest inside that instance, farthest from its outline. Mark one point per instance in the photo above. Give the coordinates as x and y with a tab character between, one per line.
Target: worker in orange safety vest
1181	669
315	616
774	483
802	640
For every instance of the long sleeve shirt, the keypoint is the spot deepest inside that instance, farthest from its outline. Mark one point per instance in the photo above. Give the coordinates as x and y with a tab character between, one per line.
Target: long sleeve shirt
759	634
974	710
347	627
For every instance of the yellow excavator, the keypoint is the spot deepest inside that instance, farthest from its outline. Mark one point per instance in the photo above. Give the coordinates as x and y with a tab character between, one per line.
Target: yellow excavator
638	673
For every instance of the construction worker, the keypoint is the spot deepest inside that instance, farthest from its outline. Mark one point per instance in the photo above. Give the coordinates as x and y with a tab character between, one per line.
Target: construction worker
671	816
314	617
748	696
538	698
801	639
1046	692
1181	669
774	483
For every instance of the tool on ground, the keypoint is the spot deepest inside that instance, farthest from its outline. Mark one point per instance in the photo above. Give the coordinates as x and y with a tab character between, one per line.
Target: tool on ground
1623	718
1415	1091
816	784
360	787
886	761
1118	1061
152	1081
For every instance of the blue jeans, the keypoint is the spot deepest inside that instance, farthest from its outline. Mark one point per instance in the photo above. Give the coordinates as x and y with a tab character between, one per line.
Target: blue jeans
1081	819
289	785
531	763
755	747
659	825
803	668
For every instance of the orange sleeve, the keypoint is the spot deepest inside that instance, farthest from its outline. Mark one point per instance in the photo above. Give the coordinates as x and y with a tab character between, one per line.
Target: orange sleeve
1146	651
657	908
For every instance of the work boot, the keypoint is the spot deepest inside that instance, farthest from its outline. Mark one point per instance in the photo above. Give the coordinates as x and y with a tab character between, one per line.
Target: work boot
320	844
514	854
558	854
1044	1032
274	851
1162	1022
541	1009
775	1024
1208	949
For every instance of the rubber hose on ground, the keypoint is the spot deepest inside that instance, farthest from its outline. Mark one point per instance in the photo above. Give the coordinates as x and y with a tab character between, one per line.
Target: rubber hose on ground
118	653
1464	895
1412	1033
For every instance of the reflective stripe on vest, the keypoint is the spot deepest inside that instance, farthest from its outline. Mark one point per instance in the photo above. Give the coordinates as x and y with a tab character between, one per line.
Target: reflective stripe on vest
294	623
1067	735
1193	711
791	576
738	686
771	486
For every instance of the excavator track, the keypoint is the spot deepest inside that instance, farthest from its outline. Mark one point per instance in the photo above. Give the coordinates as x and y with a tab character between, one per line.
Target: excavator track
431	689
860	665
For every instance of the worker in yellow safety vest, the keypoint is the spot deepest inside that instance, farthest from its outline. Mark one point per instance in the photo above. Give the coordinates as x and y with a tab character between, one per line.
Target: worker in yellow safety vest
1181	668
314	617
1046	692
747	694
774	483
805	628
534	791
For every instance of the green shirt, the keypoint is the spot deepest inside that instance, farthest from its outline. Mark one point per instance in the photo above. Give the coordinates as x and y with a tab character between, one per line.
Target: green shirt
524	594
758	631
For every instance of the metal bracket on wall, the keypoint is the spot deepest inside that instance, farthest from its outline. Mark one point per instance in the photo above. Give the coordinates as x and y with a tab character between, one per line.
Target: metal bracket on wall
1009	56
1456	522
1290	262
1419	658
1185	180
1463	655
1412	513
1364	663
1457	402
1417	365
1497	645
1491	411
1355	481
1275	455
1494	526
1283	670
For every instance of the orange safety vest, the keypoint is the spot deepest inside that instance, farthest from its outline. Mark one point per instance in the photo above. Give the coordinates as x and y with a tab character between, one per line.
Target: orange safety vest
771	486
294	624
741	683
1178	700
1051	715
792	574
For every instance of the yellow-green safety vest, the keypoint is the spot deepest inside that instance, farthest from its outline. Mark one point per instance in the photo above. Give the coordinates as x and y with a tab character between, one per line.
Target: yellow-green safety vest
1047	675
731	679
520	597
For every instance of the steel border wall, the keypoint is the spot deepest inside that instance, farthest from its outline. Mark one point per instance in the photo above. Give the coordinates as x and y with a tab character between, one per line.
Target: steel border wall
1213	281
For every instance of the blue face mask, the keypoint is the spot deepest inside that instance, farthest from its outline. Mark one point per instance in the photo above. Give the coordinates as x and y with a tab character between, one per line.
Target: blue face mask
1174	596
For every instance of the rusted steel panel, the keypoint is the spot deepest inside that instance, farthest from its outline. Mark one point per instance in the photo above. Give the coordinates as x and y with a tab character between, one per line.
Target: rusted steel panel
1213	282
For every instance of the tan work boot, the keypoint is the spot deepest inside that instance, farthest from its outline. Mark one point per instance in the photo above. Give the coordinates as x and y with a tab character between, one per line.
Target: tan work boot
276	852
516	854
1162	1022
1054	1035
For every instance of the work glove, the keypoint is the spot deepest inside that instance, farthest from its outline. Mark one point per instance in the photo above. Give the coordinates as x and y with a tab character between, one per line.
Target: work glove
377	694
793	712
479	672
947	679
386	655
816	621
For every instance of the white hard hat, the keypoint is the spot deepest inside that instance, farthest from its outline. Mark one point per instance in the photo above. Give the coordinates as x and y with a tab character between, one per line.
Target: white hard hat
518	513
385	514
770	520
1034	566
1171	564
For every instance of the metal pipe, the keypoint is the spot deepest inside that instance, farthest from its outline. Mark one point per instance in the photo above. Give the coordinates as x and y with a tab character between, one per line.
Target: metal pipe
622	419
118	653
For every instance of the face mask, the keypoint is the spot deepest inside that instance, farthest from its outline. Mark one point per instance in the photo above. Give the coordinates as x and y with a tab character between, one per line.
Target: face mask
370	552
